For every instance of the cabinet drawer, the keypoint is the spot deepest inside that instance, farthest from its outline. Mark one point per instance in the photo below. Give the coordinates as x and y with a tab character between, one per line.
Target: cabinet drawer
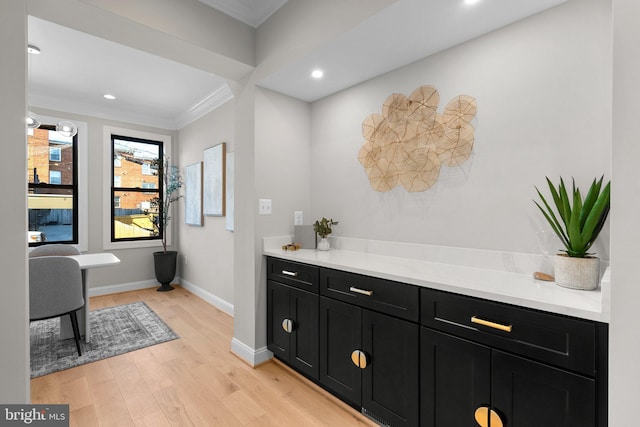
301	276
561	341
385	296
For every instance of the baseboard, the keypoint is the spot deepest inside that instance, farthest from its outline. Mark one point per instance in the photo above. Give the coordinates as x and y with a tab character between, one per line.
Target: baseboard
248	354
122	287
215	301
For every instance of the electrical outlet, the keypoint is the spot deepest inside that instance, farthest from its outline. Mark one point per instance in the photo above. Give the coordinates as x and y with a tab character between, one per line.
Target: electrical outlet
297	218
264	207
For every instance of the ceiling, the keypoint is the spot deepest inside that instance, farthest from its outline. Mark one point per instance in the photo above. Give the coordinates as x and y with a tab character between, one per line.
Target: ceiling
75	69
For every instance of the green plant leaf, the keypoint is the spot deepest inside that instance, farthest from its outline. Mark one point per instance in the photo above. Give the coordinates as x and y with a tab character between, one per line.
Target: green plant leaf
582	219
598	215
555	225
592	196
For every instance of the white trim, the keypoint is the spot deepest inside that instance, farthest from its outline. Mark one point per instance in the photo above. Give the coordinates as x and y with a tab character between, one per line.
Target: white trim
248	354
83	177
107	131
122	287
212	299
207	104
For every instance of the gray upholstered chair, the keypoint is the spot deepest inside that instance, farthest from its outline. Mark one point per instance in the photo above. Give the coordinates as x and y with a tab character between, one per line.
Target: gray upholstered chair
55	290
56	249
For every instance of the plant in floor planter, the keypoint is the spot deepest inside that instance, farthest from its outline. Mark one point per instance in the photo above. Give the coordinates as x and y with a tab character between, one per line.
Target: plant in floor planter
581	221
323	229
165	262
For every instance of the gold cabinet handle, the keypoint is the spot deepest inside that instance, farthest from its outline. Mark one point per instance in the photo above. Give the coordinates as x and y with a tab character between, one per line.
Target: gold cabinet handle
360	291
489	324
487	417
290	273
287	325
359	358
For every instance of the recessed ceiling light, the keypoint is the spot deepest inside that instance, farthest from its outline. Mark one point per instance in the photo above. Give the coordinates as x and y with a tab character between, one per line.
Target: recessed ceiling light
317	74
33	49
109	96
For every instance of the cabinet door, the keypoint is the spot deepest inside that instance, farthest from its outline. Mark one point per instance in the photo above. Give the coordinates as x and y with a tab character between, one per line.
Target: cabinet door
305	352
340	335
531	394
455	380
390	380
278	296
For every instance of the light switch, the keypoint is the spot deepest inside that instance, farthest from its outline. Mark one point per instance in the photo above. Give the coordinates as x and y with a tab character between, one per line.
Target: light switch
297	218
264	207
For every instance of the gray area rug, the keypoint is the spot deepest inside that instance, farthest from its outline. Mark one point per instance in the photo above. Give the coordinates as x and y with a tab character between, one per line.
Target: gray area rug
114	330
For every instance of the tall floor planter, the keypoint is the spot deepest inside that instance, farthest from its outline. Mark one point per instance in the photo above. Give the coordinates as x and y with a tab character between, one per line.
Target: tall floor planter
165	267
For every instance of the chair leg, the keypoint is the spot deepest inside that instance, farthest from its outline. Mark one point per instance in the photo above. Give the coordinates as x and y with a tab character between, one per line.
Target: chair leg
76	330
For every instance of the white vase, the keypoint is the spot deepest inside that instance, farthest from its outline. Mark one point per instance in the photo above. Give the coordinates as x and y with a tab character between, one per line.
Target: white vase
577	273
323	244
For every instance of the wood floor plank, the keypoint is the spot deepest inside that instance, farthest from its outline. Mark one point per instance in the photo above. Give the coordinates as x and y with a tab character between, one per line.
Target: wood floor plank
192	381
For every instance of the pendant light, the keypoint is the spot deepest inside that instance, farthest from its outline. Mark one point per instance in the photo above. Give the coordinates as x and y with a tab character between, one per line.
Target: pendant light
33	121
64	127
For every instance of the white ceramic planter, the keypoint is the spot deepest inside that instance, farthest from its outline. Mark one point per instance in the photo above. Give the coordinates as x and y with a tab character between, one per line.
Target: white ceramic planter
577	273
323	244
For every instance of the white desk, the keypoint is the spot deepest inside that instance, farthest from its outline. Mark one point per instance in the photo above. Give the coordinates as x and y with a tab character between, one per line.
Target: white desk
86	261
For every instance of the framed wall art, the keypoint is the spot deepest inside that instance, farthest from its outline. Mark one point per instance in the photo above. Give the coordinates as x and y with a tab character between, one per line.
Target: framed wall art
193	194
229	171
214	180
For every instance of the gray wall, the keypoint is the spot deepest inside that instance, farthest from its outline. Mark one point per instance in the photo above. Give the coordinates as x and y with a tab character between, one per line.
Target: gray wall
624	383
14	314
136	265
207	250
544	109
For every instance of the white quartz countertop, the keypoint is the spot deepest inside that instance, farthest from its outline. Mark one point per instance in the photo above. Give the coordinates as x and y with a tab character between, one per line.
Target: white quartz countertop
503	286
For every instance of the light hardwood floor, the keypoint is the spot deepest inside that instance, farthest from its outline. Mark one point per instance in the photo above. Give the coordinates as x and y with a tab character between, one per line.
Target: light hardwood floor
191	381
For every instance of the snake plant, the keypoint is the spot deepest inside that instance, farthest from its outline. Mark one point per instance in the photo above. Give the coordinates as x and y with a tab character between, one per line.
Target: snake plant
582	220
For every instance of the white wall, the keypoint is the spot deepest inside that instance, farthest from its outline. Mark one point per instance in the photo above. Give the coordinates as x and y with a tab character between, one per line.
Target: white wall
282	160
136	265
207	250
624	345
14	328
277	153
544	108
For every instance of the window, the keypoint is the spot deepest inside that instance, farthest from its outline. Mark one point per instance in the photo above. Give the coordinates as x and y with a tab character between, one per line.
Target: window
146	169
53	187
135	190
55	154
55	177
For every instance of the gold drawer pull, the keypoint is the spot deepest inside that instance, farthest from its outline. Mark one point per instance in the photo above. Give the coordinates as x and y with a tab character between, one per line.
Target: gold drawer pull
360	291
486	417
494	325
288	325
359	358
290	273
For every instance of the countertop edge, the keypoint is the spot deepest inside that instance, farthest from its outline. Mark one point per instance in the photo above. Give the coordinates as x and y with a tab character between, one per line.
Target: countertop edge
511	288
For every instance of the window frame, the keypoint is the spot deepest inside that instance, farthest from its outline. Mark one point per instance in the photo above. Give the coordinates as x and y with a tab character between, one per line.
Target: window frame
141	190
75	187
108	165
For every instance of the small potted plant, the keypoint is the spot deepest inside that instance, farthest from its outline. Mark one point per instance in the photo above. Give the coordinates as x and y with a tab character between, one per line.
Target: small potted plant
323	229
165	261
581	221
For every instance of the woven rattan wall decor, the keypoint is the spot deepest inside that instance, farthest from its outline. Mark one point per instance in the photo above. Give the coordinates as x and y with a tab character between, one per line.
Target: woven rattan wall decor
409	142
